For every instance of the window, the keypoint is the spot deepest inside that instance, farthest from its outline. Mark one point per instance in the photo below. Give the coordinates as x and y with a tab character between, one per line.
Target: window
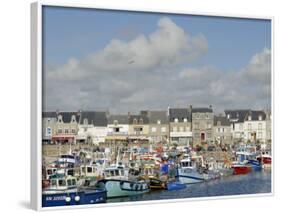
73	131
218	123
69	182
153	129
219	129
249	117
181	129
73	120
207	116
260	126
135	121
196	135
196	125
259	135
240	126
176	120
209	125
249	126
141	121
66	131
60	119
49	131
48	120
116	129
158	121
85	121
115	122
260	117
62	183
53	182
187	128
185	120
60	131
89	170
163	129
175	129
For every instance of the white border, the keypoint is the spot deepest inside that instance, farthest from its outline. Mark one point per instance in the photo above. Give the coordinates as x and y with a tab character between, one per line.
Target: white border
36	101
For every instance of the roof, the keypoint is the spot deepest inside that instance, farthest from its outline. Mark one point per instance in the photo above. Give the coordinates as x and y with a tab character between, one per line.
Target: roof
238	115
49	114
222	119
138	118
66	116
179	113
122	119
255	115
201	110
154	116
97	118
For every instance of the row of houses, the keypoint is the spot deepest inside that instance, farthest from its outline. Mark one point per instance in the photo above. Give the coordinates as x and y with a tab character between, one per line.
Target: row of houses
188	126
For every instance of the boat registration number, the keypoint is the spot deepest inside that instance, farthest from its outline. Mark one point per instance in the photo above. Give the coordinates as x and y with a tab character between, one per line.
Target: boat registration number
55	198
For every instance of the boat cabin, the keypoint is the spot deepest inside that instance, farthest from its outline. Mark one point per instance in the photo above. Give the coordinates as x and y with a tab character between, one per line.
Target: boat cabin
63	183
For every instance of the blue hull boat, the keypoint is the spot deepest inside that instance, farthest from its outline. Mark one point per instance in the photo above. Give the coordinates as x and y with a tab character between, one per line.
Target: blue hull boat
74	198
256	166
175	186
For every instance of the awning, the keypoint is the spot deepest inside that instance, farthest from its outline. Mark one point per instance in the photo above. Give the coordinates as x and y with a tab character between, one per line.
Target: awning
63	137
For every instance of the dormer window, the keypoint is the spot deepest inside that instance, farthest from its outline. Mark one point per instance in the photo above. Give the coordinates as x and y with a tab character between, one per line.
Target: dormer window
73	120
249	117
115	122
228	116
141	121
185	120
260	117
176	120
158	121
135	121
60	119
85	121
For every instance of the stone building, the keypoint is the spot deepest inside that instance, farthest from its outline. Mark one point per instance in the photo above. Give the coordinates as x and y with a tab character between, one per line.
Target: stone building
180	126
222	130
66	127
202	125
158	125
138	127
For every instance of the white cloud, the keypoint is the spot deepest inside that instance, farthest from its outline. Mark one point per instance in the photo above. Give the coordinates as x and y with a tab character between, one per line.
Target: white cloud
146	72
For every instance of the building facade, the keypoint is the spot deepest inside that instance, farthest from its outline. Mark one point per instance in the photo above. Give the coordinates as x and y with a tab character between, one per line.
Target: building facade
118	128
49	121
202	125
138	127
93	127
66	128
158	126
222	130
255	126
180	126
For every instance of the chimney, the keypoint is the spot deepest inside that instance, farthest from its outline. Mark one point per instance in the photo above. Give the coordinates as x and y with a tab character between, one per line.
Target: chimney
210	106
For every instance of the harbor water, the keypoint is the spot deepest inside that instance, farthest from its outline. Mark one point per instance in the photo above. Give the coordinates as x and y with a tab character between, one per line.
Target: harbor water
252	183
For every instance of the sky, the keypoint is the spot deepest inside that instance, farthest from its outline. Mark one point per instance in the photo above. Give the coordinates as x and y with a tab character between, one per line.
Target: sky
130	61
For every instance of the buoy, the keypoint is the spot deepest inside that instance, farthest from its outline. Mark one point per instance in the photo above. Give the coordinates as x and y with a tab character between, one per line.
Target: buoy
77	198
68	199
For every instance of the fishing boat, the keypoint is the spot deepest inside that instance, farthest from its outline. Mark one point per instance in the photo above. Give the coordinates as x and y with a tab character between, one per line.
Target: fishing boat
63	191
188	171
265	159
157	184
240	168
117	184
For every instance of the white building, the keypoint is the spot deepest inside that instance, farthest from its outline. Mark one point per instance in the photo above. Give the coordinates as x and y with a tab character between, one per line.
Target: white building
118	128
255	126
92	127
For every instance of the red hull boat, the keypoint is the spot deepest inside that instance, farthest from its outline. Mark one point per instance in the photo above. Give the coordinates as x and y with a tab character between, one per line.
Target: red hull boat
239	169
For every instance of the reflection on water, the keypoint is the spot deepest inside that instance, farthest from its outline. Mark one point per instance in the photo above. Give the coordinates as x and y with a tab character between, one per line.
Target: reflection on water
253	183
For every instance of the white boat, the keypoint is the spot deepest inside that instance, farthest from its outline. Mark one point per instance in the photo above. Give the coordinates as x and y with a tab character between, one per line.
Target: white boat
189	173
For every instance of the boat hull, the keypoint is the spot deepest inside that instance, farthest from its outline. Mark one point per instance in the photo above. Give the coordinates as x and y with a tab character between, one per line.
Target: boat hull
190	177
74	198
241	169
121	188
175	186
